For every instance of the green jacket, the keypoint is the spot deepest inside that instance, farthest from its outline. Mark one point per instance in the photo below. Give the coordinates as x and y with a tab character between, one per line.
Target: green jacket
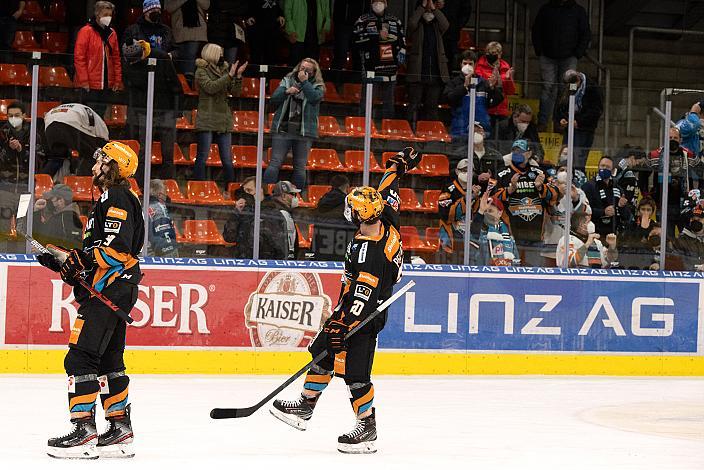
312	96
215	84
296	15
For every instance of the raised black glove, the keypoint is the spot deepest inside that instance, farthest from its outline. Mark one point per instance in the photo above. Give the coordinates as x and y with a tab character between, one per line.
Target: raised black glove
405	160
76	262
48	261
335	331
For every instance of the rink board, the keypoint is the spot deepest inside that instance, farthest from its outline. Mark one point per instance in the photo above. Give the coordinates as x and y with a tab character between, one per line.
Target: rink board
255	317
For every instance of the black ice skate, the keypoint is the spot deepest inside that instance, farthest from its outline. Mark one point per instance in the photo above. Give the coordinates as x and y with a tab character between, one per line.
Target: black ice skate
79	443
295	413
361	439
116	441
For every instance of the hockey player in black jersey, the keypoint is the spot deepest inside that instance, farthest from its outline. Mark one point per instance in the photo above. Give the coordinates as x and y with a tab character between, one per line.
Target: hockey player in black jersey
372	268
109	261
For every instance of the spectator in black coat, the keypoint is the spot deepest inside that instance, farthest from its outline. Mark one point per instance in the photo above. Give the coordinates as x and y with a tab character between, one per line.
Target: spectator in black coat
14	149
58	223
610	209
589	104
226	25
332	232
266	22
561	36
458	12
344	16
520	126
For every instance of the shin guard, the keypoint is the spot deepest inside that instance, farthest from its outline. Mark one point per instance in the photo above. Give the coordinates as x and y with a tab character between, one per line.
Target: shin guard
82	392
114	389
361	397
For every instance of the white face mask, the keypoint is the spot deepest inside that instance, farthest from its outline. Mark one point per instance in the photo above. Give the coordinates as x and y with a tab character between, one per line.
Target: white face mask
294	202
522	126
428	17
467	69
478	138
462	176
15	122
105	20
590	227
378	7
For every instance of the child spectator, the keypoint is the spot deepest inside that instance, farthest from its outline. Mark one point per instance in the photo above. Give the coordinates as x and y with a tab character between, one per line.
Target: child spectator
496	244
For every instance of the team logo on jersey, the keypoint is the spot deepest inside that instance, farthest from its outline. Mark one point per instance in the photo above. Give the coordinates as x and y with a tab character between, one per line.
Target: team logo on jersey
287	310
525	208
362	291
112	226
117	213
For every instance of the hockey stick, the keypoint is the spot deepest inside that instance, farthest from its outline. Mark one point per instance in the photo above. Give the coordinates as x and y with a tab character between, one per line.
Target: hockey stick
223	413
22	212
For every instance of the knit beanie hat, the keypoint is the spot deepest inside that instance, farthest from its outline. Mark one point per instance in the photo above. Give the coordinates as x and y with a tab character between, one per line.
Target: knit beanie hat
150	5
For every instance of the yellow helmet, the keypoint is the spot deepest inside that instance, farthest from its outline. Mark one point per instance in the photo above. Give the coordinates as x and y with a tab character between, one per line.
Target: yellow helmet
363	204
122	154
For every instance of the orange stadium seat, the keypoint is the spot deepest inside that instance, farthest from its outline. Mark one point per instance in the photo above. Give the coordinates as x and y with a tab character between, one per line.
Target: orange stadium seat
84	221
466	41
432	236
398	129
25	42
430	199
187	90
354	125
245	121
315	192
15	75
250	87
134	186
435	164
116	115
354	162
231	188
33	13
412	241
82	187
213	155
432	131
44	107
180	158
174	192
329	127
133	144
332	96
409	200
42	184
324	160
3	109
57	11
352	92
303	242
273	85
205	193
54	76
245	156
184	124
325	59
202	232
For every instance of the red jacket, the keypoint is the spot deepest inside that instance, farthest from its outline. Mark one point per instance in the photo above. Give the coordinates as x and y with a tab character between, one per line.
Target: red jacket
484	70
89	57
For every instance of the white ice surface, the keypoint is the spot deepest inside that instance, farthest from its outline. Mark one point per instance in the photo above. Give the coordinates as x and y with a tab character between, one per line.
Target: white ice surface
425	423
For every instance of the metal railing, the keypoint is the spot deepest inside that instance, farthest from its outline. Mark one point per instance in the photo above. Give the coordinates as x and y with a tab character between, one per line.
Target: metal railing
607	96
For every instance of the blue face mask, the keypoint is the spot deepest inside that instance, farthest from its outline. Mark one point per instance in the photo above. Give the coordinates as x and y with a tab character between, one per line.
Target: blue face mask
604	173
518	158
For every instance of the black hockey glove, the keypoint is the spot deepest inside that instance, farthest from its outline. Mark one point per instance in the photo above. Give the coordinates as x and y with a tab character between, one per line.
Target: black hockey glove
336	331
48	261
405	160
77	262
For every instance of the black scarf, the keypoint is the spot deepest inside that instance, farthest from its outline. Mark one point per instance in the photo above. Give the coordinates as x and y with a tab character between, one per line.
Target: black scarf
104	32
191	18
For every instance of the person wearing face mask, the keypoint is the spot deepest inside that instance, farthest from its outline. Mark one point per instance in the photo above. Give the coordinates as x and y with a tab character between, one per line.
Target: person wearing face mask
586	248
689	245
278	235
96	58
216	80
640	241
493	68
379	42
295	123
486	161
555	222
150	38
14	149
457	94
427	70
520	126
451	213
496	244
526	194
610	206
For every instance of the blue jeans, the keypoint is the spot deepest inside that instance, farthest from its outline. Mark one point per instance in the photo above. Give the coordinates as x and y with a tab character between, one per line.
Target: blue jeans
187	53
231	55
224	142
280	145
552	72
386	89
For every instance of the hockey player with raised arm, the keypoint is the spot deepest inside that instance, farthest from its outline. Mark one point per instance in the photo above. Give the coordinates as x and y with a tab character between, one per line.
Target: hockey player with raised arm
109	260
372	268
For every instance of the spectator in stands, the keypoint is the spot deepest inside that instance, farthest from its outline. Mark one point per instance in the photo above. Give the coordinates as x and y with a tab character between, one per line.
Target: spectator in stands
642	236
72	126
162	234
14	149
690	128
307	23
239	227
585	247
610	210
344	16
496	244
278	236
266	22
458	12
561	36
427	65
295	123
457	93
486	161
150	38
522	188
555	222
689	245
332	232
249	186
58	223
589	105
682	164
493	68
527	152
520	126
10	12
216	79
226	26
96	58
190	31
452	212
380	44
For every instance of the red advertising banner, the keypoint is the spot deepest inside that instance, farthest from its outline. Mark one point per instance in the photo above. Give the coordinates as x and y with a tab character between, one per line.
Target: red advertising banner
183	307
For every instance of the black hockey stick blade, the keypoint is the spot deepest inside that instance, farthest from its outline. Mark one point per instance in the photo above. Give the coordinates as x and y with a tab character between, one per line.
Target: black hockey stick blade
224	413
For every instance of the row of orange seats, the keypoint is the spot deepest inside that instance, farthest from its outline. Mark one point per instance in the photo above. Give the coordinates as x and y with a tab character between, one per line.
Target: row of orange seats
33	12
50	41
49	76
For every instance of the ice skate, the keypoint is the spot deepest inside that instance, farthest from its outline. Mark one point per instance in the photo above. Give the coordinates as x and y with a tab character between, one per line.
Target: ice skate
361	440
79	443
295	413
116	441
